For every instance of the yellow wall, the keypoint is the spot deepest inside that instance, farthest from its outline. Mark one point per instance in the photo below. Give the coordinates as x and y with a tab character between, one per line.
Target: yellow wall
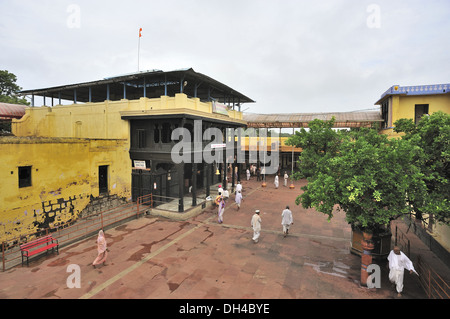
65	145
64	176
103	119
404	107
246	140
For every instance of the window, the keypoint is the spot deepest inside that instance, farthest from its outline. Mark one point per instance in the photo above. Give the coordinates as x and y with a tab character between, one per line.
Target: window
419	111
156	134
166	133
385	114
142	143
24	176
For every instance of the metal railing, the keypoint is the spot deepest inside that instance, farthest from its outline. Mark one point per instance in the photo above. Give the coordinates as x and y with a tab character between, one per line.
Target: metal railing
434	285
84	228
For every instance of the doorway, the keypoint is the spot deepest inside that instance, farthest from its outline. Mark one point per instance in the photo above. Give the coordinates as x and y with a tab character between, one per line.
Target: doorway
103	179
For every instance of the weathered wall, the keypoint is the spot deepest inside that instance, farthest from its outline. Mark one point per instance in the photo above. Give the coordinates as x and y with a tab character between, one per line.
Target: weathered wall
64	177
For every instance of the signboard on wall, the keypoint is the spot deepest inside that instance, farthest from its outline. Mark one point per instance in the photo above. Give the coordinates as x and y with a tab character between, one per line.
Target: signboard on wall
139	164
218	145
219	108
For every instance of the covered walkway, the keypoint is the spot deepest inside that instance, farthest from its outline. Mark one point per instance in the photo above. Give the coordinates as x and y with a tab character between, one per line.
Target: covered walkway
297	120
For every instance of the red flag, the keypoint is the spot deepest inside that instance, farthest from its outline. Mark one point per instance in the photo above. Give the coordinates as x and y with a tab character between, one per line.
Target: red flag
140	30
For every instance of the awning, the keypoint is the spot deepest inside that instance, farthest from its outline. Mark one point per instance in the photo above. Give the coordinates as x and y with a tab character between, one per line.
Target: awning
11	111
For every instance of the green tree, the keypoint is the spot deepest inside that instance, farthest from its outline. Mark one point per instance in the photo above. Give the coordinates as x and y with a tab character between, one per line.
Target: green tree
318	143
9	89
365	174
432	136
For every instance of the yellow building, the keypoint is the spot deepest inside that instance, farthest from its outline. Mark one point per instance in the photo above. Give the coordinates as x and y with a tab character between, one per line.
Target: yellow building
412	102
47	182
112	139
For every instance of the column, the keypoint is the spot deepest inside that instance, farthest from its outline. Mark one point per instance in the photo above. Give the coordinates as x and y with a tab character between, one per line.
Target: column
194	184
180	169
207	168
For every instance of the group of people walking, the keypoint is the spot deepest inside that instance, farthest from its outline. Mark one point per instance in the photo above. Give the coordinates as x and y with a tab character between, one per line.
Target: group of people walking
398	261
286	215
286	222
258	172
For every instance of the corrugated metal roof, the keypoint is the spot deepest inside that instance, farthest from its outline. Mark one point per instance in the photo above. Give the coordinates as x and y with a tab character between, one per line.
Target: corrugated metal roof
283	120
11	111
197	85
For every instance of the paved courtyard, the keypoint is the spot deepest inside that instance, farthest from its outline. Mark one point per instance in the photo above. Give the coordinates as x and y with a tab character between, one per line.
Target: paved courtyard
157	258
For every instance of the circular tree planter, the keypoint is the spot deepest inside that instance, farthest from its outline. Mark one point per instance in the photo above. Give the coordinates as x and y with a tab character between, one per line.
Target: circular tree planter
381	243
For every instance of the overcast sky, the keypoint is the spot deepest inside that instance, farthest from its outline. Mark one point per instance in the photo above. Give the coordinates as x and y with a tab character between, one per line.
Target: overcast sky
288	56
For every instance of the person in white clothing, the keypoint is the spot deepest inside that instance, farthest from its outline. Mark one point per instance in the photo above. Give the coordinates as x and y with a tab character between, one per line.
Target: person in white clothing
238	199
398	262
256	225
248	173
239	187
286	176
286	220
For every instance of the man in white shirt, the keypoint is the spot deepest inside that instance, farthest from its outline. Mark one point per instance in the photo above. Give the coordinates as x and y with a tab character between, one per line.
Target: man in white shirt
256	225
238	187
286	176
286	220
398	262
238	199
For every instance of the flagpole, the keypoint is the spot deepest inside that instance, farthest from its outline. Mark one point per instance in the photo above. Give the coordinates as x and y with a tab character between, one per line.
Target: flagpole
139	45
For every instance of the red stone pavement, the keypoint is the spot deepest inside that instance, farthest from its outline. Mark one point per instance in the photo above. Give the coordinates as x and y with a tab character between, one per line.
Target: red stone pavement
154	257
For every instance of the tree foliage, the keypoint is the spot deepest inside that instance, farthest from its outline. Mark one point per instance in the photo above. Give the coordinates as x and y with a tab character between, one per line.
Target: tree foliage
372	178
9	89
317	143
432	136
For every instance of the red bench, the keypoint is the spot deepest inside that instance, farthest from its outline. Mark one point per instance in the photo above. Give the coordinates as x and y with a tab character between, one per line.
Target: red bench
39	245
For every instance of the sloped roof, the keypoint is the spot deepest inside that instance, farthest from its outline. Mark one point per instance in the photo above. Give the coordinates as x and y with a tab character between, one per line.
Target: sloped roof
286	120
192	83
11	111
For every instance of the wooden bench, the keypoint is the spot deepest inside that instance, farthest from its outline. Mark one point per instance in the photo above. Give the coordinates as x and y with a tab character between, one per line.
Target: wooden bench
39	245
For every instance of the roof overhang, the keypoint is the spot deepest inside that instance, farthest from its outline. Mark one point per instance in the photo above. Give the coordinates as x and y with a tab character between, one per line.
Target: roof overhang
182	113
154	83
397	90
